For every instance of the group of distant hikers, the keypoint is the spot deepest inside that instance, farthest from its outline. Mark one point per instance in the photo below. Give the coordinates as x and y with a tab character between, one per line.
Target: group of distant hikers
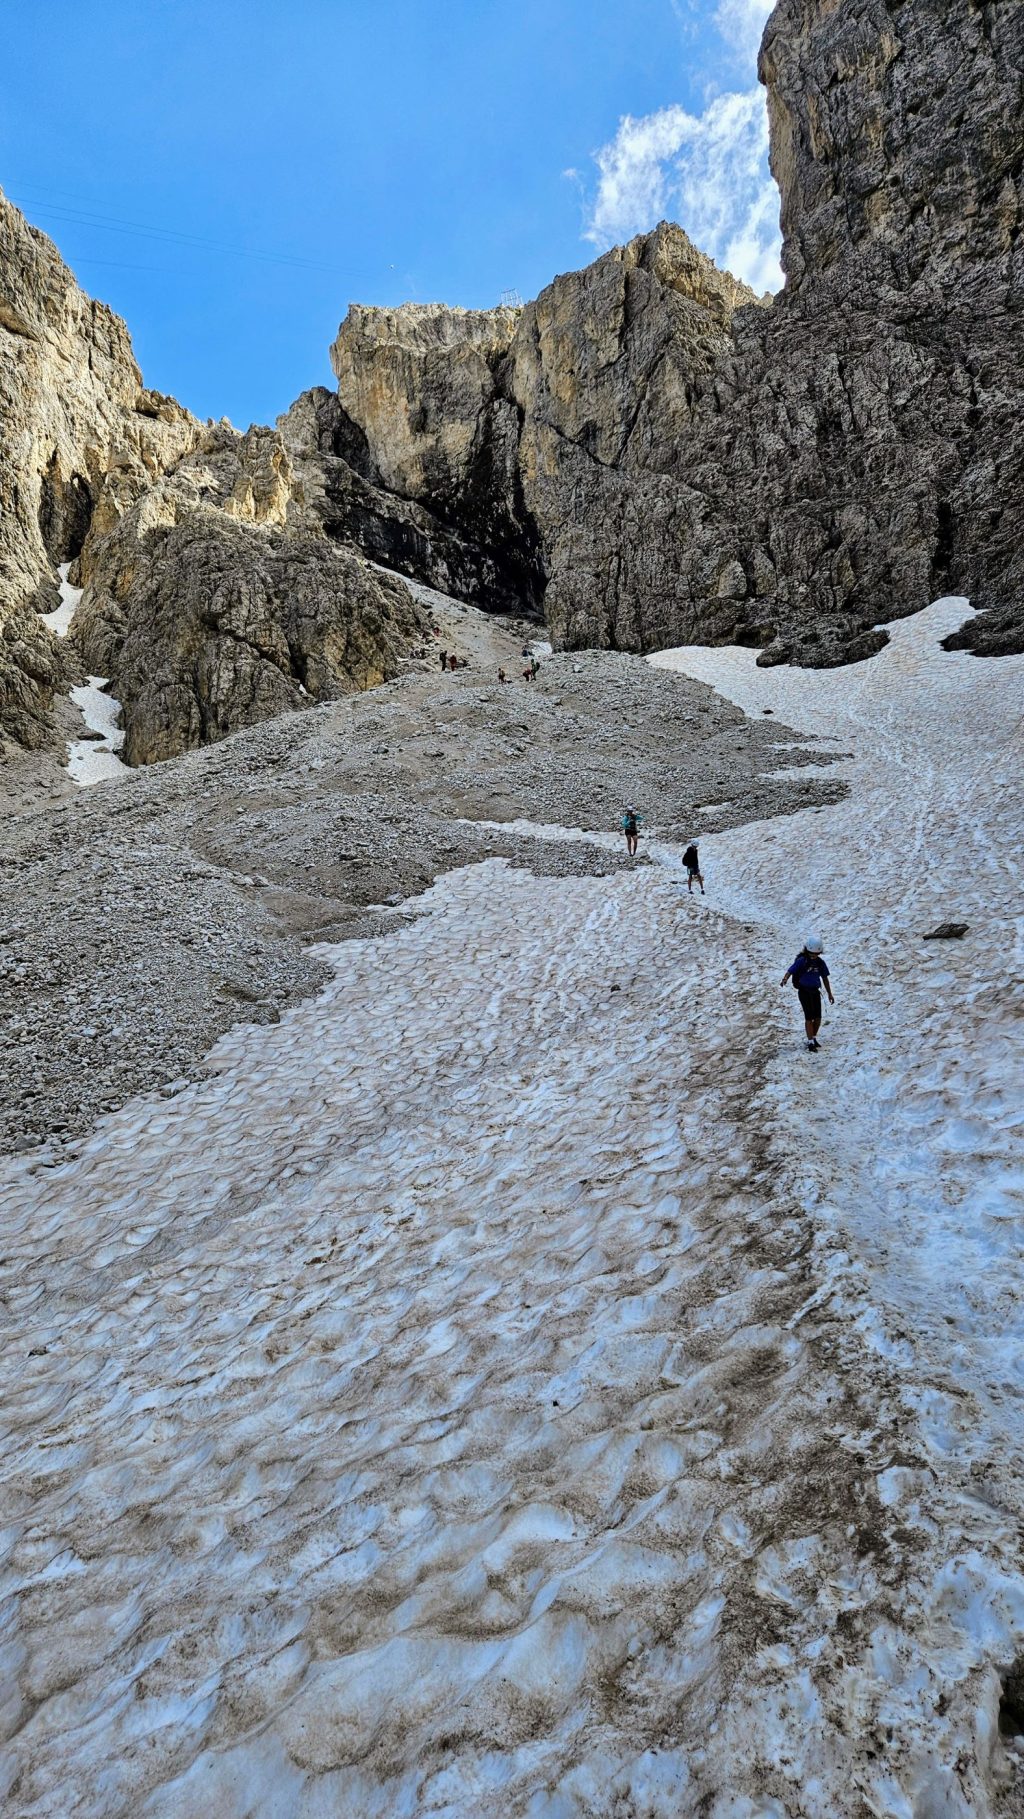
451	661
809	971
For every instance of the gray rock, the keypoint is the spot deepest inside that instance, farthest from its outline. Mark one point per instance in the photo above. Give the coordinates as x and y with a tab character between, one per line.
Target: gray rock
679	461
218	601
80	437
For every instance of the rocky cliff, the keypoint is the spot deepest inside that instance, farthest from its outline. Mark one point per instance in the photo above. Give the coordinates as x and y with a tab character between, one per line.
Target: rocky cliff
646	455
217	600
81	438
678	461
214	595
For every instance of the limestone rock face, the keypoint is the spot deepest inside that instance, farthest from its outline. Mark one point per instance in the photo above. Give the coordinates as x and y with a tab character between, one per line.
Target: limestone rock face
428	388
647	454
77	426
897	140
493	567
679	461
218	601
610	368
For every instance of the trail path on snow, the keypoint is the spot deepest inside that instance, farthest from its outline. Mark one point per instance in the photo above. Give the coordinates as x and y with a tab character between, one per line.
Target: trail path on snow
487	1391
911	1119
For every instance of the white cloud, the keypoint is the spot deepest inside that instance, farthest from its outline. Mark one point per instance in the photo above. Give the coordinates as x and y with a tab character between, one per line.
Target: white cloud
707	171
741	23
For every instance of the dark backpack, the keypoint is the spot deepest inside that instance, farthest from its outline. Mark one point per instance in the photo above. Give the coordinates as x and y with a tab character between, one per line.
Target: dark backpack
807	973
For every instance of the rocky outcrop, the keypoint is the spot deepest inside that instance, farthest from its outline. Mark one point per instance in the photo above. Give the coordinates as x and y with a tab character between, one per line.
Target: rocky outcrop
646	454
490	565
434	384
218	601
214	596
678	461
78	428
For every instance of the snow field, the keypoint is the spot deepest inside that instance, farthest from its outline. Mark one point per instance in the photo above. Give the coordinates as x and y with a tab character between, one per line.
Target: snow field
410	1417
95	760
89	760
59	621
911	1119
490	1391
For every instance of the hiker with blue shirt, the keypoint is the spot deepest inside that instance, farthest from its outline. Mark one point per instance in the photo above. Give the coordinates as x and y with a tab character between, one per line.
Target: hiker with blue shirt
631	829
809	973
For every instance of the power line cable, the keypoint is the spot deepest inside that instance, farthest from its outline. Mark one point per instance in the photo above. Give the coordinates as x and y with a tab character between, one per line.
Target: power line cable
173	236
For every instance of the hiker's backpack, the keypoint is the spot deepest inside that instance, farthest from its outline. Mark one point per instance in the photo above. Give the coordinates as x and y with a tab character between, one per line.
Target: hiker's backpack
806	974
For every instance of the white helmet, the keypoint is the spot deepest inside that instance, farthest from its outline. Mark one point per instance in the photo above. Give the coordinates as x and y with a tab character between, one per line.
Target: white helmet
813	944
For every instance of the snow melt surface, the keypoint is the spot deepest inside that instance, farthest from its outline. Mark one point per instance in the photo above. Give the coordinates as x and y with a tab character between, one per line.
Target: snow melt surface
59	621
524	1380
94	760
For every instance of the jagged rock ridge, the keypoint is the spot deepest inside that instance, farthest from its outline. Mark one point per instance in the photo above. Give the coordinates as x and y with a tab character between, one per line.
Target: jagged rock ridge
213	595
647	454
81	438
695	465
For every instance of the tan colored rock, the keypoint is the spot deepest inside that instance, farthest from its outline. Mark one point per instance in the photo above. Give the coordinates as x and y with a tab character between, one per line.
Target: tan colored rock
78	427
423	374
680	462
218	601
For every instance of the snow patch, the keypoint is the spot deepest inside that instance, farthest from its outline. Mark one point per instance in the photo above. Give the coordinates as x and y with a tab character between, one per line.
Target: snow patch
59	621
96	760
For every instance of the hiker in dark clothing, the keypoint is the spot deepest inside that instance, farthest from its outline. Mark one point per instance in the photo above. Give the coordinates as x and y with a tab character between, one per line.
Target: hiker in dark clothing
692	864
631	829
444	660
809	973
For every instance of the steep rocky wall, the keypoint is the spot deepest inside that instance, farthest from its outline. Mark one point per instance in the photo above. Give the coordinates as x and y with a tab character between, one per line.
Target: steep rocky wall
646	453
78	426
434	383
897	142
218	601
685	463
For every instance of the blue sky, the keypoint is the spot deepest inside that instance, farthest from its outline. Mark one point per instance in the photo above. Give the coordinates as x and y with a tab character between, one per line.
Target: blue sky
229	176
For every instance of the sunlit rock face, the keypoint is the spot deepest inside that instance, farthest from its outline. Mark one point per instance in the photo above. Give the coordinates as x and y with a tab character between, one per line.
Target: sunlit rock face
680	461
81	437
212	595
218	601
646	455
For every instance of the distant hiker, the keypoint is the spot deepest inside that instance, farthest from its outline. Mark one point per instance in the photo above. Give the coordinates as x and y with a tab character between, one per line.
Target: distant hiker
692	864
534	669
453	662
631	829
526	651
809	973
528	673
444	659
501	674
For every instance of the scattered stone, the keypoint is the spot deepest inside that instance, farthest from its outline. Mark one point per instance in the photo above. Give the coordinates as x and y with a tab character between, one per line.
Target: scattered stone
134	917
947	931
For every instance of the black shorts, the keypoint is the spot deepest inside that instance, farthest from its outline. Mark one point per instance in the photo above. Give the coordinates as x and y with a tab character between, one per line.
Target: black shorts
810	1003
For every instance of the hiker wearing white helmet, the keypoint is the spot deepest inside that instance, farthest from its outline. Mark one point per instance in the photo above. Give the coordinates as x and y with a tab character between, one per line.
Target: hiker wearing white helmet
631	829
809	973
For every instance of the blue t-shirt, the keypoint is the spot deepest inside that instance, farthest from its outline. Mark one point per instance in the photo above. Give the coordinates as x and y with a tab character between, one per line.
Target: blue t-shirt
807	972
